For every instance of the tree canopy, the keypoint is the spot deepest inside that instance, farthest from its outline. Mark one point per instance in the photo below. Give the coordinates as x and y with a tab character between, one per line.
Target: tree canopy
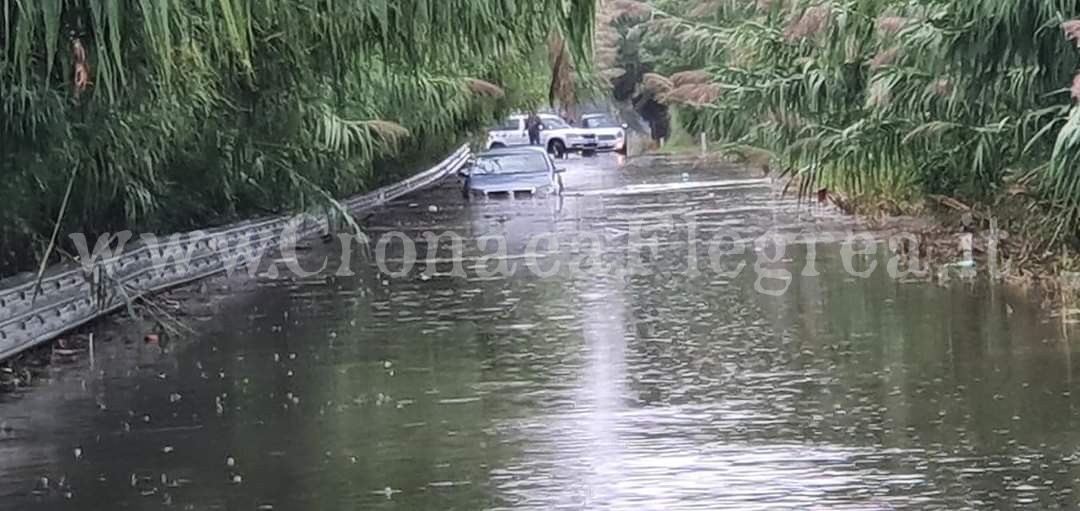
180	113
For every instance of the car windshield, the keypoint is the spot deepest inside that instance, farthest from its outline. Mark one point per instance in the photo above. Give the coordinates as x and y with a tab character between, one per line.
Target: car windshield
553	123
512	163
599	122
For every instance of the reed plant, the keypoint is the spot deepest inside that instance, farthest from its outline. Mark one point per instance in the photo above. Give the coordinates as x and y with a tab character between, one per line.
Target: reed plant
174	114
906	99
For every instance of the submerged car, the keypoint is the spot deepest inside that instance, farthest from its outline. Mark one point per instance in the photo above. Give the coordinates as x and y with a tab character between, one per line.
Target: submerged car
512	172
610	136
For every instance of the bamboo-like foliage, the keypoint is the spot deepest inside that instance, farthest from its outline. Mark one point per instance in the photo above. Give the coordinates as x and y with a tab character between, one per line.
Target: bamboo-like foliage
181	113
884	97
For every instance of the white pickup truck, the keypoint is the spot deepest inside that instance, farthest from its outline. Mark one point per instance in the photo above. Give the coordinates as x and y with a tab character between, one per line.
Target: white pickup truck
558	137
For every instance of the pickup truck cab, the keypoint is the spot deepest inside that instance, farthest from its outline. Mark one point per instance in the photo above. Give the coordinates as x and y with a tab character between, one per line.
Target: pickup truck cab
558	137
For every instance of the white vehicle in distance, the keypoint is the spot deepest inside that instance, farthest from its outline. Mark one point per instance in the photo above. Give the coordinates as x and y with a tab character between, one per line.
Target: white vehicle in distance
610	136
558	137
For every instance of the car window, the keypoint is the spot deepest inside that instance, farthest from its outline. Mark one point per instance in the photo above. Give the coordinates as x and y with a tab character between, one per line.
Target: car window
599	122
553	123
511	163
508	125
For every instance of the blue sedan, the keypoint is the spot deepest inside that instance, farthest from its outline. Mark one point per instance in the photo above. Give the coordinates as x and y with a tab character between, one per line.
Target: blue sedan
514	171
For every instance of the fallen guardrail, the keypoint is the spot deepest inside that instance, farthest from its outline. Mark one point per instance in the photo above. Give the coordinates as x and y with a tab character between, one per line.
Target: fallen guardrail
71	295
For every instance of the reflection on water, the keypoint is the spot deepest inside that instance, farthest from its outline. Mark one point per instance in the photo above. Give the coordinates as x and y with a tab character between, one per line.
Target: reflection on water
584	391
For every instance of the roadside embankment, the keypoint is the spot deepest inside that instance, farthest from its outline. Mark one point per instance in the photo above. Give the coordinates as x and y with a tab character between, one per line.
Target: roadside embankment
1006	242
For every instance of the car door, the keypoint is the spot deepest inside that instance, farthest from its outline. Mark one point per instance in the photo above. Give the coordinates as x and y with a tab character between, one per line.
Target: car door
554	126
515	132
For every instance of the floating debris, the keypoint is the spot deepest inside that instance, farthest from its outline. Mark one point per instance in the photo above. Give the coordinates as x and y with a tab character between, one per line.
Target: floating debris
459	401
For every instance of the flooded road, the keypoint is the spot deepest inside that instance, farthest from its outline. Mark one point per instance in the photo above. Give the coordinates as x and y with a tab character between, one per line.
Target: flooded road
655	390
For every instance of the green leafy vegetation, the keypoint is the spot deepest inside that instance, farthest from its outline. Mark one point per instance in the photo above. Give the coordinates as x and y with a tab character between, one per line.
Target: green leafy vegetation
172	114
885	100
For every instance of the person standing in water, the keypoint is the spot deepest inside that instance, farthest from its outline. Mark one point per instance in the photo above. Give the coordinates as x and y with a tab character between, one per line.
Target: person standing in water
533	126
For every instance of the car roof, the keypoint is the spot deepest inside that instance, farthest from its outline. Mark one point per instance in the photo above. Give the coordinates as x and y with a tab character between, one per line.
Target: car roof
598	116
539	114
514	150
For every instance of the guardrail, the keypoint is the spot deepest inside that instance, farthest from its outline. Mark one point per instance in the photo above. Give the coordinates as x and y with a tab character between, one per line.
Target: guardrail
70	296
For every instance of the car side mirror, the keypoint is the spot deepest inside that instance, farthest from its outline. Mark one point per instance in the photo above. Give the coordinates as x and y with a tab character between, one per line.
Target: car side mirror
560	170
625	126
464	171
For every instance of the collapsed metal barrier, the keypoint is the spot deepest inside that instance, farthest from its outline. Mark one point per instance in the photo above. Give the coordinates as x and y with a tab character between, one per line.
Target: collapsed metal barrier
71	295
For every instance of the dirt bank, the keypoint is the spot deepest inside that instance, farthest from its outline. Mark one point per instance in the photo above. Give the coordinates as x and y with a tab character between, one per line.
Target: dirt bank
949	238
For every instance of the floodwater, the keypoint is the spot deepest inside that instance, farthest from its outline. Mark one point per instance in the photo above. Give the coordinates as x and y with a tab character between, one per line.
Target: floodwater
584	389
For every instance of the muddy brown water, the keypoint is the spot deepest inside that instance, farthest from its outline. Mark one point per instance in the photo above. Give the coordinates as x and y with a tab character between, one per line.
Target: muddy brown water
581	390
